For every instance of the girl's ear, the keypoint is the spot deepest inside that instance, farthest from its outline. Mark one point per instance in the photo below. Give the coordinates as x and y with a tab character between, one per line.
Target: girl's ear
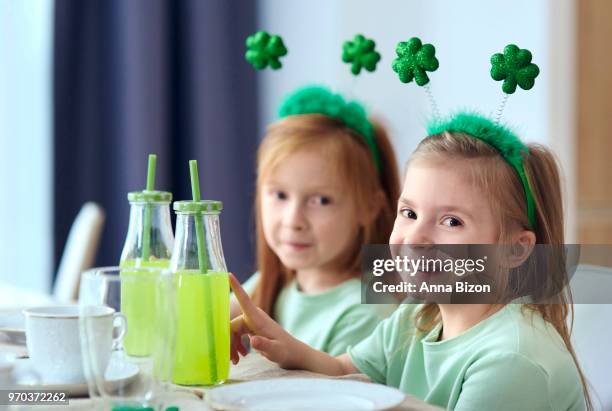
525	238
523	243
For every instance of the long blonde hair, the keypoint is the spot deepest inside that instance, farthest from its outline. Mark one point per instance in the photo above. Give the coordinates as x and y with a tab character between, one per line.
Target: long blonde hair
503	188
355	167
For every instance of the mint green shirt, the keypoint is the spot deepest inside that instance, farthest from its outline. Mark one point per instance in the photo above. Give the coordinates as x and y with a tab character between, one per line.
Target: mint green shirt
329	321
509	361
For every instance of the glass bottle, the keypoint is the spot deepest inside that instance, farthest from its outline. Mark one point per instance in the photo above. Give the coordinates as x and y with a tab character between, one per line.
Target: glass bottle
202	347
148	245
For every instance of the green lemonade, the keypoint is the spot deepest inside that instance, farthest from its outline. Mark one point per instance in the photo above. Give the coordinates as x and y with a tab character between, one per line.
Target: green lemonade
203	308
138	305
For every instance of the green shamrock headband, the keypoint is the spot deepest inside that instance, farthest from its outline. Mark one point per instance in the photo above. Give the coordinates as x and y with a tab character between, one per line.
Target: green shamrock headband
514	67
320	100
509	146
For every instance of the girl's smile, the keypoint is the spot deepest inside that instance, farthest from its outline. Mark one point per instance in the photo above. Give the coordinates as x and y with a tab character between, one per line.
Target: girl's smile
296	246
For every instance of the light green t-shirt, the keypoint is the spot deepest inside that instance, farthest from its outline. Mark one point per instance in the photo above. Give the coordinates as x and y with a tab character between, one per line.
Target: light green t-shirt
509	361
330	321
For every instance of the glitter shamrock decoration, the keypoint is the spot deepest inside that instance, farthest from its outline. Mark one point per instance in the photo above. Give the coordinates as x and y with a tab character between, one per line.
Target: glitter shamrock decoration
360	52
264	50
414	60
514	66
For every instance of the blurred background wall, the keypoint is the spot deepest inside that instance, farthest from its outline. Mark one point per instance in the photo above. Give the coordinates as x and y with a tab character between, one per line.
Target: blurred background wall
89	88
26	143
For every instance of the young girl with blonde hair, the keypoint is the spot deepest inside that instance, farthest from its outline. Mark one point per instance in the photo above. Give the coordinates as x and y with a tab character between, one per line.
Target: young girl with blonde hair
470	181
327	182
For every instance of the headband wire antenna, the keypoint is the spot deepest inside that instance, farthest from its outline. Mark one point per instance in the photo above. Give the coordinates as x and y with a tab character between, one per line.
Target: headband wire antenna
501	107
432	101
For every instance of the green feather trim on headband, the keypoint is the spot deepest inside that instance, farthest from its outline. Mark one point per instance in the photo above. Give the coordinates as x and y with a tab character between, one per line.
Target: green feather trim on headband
320	100
511	148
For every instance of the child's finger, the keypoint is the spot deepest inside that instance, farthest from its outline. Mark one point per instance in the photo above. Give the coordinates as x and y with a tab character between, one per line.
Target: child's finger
241	348
234	349
236	345
233	354
246	304
263	344
238	326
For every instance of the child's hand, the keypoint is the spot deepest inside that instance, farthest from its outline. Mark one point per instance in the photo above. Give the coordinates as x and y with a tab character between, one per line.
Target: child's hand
265	334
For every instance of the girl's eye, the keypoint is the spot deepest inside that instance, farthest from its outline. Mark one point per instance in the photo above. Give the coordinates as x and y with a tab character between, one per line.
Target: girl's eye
279	195
321	200
408	213
452	222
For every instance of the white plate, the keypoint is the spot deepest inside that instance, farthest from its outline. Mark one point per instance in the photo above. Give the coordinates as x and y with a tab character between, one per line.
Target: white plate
117	375
304	394
12	328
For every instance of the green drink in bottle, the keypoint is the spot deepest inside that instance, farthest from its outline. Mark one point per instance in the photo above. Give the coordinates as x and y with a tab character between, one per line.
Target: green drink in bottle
202	350
148	244
198	296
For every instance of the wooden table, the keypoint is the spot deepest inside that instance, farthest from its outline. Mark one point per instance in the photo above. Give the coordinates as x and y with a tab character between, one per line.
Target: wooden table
251	367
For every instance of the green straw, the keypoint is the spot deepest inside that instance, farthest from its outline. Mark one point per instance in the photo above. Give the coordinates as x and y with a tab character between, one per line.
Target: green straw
203	263
195	192
146	241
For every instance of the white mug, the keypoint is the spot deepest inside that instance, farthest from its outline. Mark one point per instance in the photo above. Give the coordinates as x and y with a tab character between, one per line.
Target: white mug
53	340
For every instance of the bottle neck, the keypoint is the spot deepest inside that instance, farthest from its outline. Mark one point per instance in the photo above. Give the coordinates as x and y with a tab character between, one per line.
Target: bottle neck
192	251
149	240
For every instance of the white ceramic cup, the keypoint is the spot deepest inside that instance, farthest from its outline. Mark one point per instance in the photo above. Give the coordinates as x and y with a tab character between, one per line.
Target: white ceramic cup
53	340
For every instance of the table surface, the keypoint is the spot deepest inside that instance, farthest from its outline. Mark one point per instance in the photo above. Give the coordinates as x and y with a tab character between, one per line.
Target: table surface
250	368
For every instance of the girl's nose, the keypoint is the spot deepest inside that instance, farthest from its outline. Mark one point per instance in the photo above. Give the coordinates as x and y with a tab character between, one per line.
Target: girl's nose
293	216
417	234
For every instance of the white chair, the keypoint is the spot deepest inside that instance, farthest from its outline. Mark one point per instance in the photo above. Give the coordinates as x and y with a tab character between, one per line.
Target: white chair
592	333
79	252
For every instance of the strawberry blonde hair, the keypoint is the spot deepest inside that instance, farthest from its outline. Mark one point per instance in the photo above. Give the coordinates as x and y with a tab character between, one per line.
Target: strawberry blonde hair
506	195
354	166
